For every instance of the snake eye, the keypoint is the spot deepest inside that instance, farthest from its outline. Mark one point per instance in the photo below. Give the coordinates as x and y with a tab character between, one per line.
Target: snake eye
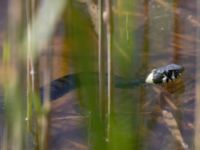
159	77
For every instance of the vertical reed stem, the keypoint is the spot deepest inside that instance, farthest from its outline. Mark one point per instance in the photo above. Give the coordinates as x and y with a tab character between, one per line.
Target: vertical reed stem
100	59
107	19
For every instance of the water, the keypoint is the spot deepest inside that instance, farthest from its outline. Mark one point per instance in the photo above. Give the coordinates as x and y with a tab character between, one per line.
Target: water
161	33
164	33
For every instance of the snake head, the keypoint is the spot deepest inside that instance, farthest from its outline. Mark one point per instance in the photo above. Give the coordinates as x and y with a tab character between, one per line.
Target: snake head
164	74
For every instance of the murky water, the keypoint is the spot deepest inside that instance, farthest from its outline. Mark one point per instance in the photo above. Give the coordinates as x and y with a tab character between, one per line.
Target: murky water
167	35
164	32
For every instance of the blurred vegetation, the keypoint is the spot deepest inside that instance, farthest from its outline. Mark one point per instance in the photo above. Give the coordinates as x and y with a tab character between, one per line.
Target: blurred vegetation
108	37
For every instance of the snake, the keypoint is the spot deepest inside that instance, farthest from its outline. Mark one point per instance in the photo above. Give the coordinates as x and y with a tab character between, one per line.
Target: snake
160	75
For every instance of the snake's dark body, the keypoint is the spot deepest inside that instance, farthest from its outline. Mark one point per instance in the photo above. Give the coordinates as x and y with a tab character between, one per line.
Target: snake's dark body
63	85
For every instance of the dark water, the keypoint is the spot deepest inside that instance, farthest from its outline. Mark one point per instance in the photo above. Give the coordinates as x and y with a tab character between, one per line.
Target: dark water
165	33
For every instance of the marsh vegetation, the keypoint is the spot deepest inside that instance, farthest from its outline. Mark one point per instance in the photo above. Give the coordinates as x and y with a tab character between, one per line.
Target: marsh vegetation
44	40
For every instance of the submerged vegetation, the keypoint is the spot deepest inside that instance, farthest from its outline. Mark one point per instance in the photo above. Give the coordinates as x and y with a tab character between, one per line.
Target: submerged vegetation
44	40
